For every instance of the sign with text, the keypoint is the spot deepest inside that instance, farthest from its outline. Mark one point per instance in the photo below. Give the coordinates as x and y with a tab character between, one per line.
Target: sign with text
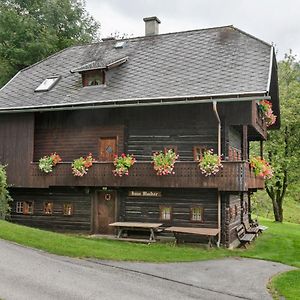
144	194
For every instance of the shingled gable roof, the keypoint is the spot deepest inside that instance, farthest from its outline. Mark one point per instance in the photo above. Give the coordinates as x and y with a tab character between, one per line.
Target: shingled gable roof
198	64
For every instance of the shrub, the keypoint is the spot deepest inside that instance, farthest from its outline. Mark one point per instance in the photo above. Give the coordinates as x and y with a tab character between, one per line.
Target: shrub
4	195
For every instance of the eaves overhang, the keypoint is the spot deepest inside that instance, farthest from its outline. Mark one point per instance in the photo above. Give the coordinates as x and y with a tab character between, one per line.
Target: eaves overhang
136	102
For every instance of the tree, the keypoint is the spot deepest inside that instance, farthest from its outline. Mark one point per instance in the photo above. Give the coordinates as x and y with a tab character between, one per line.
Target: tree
282	147
31	30
4	195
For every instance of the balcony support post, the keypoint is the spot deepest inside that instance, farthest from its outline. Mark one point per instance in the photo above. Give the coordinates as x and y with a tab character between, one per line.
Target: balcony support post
261	149
245	142
219	154
219	126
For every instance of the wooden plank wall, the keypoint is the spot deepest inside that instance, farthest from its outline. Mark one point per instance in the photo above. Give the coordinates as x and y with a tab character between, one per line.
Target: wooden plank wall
16	146
80	221
146	209
146	130
64	134
232	218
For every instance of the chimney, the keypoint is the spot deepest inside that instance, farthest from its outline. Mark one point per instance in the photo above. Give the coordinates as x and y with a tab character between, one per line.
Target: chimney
151	25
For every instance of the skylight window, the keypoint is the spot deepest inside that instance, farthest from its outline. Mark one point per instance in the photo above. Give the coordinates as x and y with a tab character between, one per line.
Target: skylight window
120	44
47	84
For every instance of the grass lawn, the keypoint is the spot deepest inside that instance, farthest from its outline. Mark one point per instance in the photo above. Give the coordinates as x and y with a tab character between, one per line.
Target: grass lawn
287	285
280	243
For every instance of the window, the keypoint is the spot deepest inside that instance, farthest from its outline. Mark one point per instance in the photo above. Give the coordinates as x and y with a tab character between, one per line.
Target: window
120	44
19	207
28	208
48	208
95	77
197	214
234	153
25	207
198	152
174	148
165	213
47	84
68	209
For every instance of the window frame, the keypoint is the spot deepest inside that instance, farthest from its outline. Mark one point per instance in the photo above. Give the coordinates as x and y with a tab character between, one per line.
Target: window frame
72	209
202	214
161	207
174	148
89	76
44	208
195	153
26	207
19	207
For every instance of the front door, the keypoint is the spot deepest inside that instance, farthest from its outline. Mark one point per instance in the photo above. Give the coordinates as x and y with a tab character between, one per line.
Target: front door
106	212
107	148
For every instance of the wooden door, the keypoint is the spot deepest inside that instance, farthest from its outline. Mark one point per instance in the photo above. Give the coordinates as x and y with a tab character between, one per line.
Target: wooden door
106	209
107	148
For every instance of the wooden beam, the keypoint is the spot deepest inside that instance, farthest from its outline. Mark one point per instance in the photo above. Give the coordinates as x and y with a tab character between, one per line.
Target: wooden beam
245	142
261	149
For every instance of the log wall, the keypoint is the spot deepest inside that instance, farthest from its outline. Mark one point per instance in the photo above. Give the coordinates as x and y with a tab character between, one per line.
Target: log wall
79	221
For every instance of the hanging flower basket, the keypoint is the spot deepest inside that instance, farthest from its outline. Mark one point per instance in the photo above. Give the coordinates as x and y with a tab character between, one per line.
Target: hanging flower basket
122	164
81	165
266	108
163	163
261	168
47	162
209	163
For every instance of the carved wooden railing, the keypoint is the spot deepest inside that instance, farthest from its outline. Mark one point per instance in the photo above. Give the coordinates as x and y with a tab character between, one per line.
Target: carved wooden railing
235	176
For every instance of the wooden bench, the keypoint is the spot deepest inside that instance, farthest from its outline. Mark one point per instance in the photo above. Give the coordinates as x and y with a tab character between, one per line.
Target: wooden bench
251	229
207	232
261	228
135	226
244	238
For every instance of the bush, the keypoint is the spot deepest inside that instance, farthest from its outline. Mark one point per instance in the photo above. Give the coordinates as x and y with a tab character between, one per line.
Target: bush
4	195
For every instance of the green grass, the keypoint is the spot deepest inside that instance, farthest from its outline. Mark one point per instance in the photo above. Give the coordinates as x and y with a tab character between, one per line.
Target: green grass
262	206
286	285
77	246
280	243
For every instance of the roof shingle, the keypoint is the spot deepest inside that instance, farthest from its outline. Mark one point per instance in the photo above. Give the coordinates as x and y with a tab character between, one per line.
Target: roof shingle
221	60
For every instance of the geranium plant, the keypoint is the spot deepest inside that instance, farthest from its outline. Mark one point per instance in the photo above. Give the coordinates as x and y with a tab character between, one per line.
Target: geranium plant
122	164
163	163
266	108
47	162
81	165
210	163
261	167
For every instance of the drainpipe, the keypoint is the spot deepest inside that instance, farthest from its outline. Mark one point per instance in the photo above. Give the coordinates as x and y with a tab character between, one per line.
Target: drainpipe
219	154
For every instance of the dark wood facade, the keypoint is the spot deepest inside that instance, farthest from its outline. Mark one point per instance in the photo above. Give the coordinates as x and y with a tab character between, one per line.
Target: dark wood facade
26	137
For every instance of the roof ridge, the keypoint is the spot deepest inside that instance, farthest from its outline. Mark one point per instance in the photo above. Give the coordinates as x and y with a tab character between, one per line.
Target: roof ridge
252	36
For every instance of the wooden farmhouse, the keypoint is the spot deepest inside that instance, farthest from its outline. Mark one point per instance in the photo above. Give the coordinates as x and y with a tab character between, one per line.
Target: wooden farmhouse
186	91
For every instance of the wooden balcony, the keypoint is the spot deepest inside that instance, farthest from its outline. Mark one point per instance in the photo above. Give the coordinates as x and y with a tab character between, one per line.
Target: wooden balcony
259	122
235	176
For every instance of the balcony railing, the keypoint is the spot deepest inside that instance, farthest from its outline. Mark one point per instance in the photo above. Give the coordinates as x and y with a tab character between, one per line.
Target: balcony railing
260	122
235	176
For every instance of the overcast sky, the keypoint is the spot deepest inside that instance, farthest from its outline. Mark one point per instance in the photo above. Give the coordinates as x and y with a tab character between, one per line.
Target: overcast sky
274	21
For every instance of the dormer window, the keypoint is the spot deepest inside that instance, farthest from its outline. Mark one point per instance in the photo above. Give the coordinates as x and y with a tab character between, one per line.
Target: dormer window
93	73
95	77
